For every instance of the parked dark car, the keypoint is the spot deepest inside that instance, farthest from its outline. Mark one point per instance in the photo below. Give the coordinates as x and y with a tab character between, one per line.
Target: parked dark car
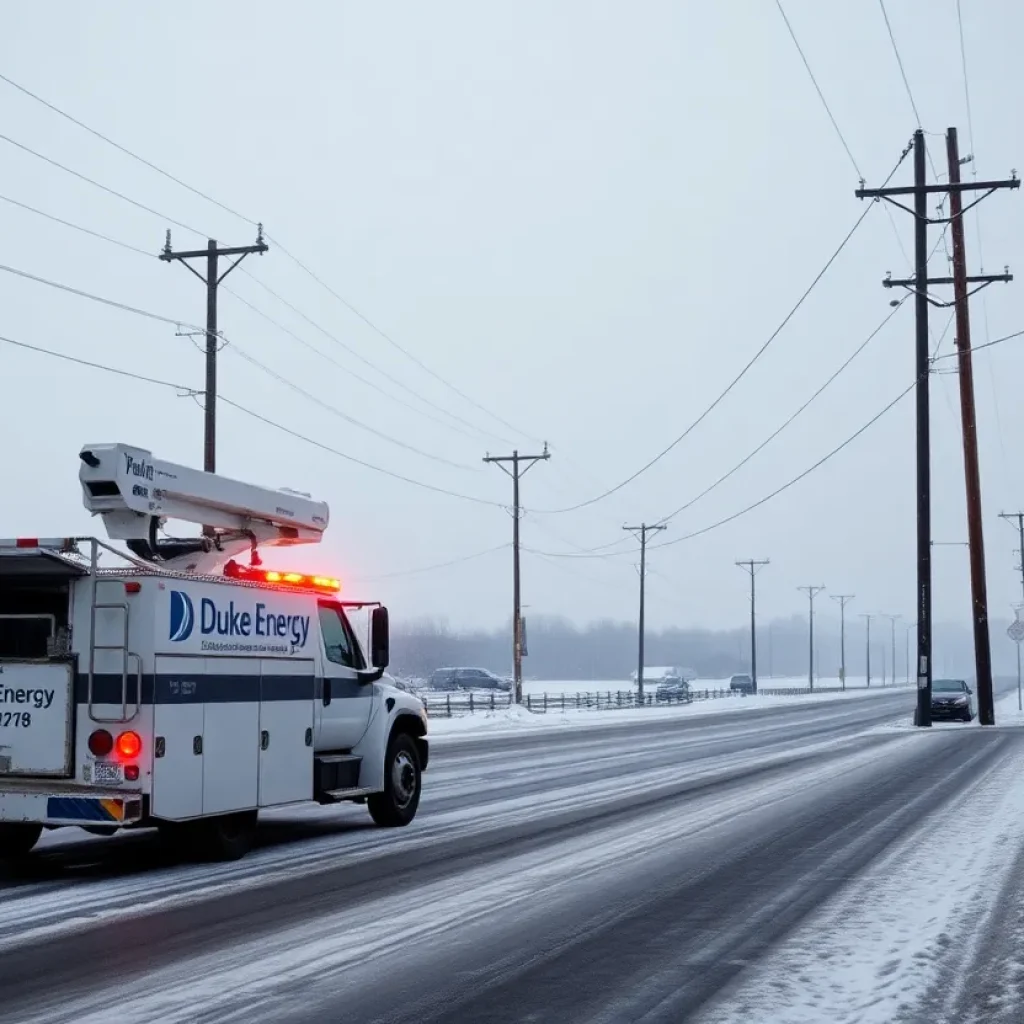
952	700
467	679
676	691
741	684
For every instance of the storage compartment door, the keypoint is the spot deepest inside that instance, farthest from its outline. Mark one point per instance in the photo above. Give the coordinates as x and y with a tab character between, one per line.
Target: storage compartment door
286	732
231	694
178	739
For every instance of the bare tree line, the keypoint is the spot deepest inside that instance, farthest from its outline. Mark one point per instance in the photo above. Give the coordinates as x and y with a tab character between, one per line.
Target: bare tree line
606	650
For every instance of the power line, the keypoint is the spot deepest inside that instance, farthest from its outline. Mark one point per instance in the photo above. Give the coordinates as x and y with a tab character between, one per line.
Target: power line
185	391
821	95
125	150
367	362
265	420
103	188
771	437
343	415
978	348
768	497
906	81
348	370
899	61
795	480
251	359
177	223
435	566
717	401
967	90
977	228
216	202
142	252
77	227
123	306
244	355
405	352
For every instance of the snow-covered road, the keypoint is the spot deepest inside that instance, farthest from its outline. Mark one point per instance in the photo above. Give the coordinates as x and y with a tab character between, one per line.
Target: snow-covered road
808	863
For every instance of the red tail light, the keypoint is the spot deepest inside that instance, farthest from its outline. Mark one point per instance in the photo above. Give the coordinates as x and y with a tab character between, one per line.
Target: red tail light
101	743
129	745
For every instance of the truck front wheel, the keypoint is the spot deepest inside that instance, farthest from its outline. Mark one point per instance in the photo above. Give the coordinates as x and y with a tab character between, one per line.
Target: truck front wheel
17	839
397	805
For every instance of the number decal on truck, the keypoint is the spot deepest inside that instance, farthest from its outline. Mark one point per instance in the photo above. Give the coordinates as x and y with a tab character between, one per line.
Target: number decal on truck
17	719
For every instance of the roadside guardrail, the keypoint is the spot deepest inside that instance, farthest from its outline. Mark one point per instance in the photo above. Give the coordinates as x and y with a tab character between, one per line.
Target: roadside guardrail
457	703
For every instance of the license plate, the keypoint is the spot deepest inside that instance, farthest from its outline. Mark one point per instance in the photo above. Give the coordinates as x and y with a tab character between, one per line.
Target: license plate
107	772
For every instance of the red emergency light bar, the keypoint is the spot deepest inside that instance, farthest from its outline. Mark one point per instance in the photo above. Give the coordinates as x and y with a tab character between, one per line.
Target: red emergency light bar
298	580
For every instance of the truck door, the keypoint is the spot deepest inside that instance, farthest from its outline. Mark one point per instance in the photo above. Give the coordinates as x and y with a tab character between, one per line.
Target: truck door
343	712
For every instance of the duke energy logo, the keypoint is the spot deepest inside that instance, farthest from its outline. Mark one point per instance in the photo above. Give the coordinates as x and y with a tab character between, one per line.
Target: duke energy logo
183	615
234	627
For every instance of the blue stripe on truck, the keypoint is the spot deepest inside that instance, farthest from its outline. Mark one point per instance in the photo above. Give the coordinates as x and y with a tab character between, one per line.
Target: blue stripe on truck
78	808
201	688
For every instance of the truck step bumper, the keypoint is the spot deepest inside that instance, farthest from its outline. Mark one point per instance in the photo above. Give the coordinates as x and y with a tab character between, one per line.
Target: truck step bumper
91	807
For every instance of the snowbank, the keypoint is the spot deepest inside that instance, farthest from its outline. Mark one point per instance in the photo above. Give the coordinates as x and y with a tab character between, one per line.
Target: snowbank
519	719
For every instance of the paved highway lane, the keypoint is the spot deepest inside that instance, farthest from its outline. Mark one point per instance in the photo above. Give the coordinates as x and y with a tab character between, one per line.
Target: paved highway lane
630	872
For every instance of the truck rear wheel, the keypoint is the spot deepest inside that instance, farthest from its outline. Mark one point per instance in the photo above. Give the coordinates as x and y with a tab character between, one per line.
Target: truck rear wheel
397	805
17	839
224	837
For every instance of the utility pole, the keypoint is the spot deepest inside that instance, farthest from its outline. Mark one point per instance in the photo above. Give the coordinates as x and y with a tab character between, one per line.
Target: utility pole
211	254
1019	516
527	462
642	530
892	623
842	600
811	592
753	566
968	418
867	617
918	285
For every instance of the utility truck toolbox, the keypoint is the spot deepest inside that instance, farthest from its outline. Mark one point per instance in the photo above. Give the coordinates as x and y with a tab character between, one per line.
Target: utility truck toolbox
182	684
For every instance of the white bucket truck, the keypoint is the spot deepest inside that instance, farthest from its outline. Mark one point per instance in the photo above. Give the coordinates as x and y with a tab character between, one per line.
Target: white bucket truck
183	685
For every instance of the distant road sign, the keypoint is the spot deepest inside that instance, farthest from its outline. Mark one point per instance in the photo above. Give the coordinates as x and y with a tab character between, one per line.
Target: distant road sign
1016	631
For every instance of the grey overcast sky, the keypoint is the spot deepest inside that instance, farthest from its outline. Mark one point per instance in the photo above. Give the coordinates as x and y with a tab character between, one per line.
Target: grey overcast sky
586	216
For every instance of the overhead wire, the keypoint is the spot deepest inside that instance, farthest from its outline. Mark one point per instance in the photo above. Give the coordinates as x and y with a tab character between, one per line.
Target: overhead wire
142	252
977	227
838	130
78	227
248	220
266	420
903	75
104	188
982	347
821	95
346	369
795	480
351	351
743	372
124	149
723	394
400	348
171	220
125	307
771	437
433	568
768	497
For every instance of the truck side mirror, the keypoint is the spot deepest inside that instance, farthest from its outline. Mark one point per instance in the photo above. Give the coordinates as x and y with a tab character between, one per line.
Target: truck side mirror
380	638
